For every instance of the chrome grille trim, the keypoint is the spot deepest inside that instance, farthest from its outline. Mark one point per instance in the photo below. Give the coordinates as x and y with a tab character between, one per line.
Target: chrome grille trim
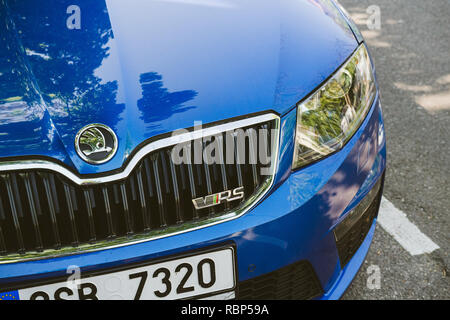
153	146
112	196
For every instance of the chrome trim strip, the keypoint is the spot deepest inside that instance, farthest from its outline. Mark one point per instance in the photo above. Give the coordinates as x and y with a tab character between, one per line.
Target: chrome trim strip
155	234
159	144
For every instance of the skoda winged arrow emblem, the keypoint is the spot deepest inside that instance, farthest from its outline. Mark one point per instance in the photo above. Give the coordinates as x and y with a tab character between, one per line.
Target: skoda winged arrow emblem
96	143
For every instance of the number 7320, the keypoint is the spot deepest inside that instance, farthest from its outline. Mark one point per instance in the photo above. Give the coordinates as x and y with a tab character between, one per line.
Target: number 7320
203	280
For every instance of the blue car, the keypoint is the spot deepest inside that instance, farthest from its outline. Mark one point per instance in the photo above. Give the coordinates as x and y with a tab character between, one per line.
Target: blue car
185	149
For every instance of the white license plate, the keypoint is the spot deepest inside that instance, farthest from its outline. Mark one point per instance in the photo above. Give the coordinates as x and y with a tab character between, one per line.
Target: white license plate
200	275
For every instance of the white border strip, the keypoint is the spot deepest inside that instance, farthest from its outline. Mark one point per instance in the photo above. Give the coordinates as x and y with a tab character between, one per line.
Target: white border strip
396	223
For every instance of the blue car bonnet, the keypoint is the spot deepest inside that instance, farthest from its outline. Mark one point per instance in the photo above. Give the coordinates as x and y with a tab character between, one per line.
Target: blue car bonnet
150	67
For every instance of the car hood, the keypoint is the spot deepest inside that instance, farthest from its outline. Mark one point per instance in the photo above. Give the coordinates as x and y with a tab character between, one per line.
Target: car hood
150	67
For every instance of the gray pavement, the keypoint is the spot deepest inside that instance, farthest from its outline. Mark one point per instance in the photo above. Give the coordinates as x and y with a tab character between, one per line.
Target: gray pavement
412	57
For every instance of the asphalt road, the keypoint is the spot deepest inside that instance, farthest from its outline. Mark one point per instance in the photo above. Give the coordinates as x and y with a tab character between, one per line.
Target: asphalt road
412	57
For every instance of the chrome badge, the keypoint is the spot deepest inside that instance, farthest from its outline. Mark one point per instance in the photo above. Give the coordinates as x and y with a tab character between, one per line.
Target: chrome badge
96	143
218	198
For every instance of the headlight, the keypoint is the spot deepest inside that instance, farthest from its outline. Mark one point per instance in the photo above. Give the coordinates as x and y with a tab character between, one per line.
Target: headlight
330	117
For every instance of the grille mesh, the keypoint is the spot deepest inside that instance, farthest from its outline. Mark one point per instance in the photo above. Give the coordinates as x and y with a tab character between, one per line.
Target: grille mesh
350	242
294	282
42	210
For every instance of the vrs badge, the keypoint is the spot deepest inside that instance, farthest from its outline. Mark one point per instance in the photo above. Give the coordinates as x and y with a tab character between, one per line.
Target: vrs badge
218	198
96	143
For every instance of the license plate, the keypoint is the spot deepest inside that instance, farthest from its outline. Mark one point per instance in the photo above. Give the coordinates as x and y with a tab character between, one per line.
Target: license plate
201	275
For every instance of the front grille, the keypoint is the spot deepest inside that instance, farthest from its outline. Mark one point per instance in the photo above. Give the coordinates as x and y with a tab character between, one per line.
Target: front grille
42	210
349	240
294	282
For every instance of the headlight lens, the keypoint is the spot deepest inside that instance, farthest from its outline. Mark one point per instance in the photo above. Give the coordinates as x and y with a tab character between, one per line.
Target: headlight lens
330	117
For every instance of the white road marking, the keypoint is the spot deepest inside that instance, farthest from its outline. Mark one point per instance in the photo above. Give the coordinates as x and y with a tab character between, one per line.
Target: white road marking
396	223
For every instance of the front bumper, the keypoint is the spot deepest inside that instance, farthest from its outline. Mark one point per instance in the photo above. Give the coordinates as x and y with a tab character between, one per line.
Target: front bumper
294	222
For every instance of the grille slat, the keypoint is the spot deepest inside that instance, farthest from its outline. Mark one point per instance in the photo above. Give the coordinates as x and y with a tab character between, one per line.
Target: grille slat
54	193
2	210
109	219
253	156
192	188
126	210
162	213
73	227
42	209
2	237
223	172
15	191
238	161
149	177
36	200
145	218
54	224
176	193
73	197
32	206
183	177
208	185
165	172
15	217
116	194
92	198
2	243
133	188
88	198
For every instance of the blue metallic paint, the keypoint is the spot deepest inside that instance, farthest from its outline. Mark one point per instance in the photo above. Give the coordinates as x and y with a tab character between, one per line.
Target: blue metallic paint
177	63
289	225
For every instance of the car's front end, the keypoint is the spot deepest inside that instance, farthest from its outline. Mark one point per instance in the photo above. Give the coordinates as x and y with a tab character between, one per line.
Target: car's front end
200	149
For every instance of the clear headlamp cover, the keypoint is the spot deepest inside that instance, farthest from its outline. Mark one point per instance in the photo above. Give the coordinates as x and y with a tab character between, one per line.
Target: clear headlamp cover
330	117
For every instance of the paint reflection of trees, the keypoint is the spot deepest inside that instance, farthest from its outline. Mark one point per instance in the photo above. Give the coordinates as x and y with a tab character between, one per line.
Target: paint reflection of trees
15	81
65	64
63	61
21	114
157	103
